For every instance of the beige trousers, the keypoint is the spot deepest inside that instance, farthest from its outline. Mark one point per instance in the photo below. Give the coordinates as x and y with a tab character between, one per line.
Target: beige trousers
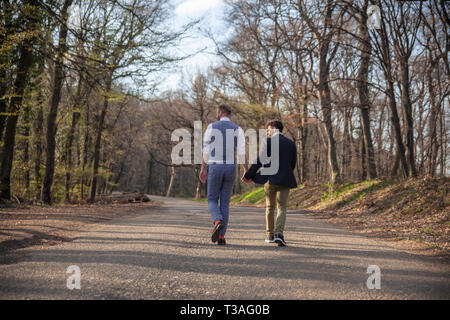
276	195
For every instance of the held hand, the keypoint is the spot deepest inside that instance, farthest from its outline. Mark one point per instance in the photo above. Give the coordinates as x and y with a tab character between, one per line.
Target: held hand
202	176
245	180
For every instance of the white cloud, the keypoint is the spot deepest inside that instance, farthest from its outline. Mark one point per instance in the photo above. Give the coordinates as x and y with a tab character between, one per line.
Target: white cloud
196	6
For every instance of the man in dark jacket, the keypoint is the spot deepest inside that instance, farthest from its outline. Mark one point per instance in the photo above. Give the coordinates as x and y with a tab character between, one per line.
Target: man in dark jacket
278	185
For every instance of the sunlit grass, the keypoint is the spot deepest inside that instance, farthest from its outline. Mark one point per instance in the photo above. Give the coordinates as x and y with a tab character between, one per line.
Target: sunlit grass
255	196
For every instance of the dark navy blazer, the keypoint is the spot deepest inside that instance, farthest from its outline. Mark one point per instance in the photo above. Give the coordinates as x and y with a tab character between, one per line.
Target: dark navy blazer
288	159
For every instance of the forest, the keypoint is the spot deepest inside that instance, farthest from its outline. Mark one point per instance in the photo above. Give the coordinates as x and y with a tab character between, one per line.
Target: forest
79	117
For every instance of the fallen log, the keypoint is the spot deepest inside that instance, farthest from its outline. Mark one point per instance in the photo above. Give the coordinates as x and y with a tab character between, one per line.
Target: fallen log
123	198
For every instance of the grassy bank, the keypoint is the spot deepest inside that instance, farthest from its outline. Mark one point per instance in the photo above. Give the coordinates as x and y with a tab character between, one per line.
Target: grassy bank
255	196
415	212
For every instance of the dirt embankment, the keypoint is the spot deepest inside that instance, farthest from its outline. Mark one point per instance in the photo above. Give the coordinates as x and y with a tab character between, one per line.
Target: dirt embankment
412	214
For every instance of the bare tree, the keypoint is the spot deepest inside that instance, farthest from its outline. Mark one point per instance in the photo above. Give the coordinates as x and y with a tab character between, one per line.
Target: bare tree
321	24
29	17
57	84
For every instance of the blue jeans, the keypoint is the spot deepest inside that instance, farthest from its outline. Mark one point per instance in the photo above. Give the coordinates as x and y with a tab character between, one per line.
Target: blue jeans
220	186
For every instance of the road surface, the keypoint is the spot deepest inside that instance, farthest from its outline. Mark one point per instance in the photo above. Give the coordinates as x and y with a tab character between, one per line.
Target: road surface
166	253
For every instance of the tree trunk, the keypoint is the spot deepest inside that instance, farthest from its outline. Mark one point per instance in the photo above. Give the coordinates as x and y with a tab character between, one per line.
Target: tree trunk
71	135
303	134
3	99
98	139
363	157
86	143
149	177
379	139
432	144
407	115
199	185
25	61
172	179
26	150
7	29
54	102
363	92
68	152
443	144
38	127
386	56
354	150
122	165
395	166
107	181
346	146
325	103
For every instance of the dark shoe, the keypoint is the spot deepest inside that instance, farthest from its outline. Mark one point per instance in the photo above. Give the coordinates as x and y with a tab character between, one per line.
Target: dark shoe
221	242
280	240
216	231
270	238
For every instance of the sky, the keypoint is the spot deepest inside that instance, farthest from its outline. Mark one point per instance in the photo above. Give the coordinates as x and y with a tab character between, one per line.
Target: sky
211	12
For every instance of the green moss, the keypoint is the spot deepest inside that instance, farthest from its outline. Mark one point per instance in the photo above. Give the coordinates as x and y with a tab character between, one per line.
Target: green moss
367	188
336	193
255	196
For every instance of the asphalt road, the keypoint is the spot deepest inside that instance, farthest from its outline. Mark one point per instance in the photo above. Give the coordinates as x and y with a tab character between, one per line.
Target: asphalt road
166	253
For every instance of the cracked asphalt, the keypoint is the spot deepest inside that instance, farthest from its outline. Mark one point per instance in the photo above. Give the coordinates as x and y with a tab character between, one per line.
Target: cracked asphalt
166	253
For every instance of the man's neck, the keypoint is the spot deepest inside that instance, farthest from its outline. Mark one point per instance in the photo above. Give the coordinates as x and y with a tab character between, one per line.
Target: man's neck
224	118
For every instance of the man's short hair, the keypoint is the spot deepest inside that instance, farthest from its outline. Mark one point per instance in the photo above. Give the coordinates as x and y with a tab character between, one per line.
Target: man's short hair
275	124
225	109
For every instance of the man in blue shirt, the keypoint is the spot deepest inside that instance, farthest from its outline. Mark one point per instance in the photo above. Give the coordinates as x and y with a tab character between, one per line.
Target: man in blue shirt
222	141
